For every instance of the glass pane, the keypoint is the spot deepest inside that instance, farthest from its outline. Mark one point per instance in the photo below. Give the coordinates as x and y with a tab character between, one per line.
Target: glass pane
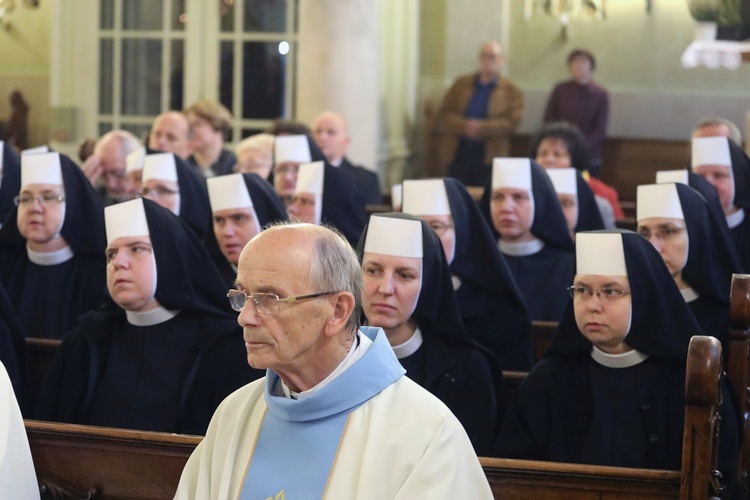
179	15
139	130
265	15
177	75
142	14
106	75
226	73
263	80
226	14
104	127
247	132
141	77
107	15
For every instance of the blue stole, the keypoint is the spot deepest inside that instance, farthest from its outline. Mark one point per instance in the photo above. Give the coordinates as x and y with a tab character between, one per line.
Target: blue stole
298	440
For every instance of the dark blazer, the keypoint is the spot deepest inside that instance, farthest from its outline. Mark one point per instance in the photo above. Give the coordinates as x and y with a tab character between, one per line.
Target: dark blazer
368	182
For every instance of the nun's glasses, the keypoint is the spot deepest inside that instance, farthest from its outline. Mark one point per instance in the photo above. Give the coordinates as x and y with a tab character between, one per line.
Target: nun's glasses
267	303
43	199
584	293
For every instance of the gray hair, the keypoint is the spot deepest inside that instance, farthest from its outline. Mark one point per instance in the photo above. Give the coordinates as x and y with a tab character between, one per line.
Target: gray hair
334	267
128	141
734	131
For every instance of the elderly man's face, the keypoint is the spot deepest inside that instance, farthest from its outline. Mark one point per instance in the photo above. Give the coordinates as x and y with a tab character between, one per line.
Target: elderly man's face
289	341
330	135
113	170
170	133
490	59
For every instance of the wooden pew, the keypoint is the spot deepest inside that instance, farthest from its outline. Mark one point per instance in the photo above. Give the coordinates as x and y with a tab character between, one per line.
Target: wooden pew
522	479
74	461
738	365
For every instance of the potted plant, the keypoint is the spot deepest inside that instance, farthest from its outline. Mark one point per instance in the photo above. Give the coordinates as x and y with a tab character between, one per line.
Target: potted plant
706	15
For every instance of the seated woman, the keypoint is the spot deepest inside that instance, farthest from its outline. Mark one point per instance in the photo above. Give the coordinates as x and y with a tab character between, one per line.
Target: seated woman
407	291
164	351
51	261
326	194
564	180
679	223
611	388
241	205
561	145
727	168
522	207
172	183
491	306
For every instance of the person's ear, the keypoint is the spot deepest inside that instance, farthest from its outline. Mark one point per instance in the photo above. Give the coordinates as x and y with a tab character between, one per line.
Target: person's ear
343	307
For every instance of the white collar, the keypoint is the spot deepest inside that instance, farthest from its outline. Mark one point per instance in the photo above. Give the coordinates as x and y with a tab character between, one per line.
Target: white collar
358	349
50	258
625	360
337	162
736	218
521	249
456	282
410	346
152	317
689	294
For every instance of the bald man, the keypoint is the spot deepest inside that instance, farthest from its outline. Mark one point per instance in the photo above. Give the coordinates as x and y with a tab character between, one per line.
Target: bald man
332	137
475	120
105	168
171	133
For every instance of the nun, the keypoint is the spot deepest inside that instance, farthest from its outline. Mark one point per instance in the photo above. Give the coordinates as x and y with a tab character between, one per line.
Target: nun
10	179
565	184
289	152
407	291
522	208
680	225
51	261
611	387
164	351
133	171
326	195
242	205
727	168
173	184
492	309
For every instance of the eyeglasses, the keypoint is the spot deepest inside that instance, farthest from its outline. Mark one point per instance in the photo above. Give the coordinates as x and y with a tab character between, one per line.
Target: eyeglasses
267	303
44	199
158	192
440	228
663	234
584	293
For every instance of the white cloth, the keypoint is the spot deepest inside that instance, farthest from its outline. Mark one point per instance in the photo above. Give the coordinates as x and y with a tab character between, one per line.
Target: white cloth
17	475
401	444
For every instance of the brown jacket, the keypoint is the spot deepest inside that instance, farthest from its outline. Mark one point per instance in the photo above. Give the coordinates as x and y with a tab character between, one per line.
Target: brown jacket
504	114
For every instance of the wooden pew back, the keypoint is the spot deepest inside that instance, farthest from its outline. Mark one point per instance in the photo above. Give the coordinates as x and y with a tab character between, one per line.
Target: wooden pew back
738	366
78	460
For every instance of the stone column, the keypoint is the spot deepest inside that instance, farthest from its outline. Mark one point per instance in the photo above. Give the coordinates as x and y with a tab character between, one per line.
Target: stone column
338	69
